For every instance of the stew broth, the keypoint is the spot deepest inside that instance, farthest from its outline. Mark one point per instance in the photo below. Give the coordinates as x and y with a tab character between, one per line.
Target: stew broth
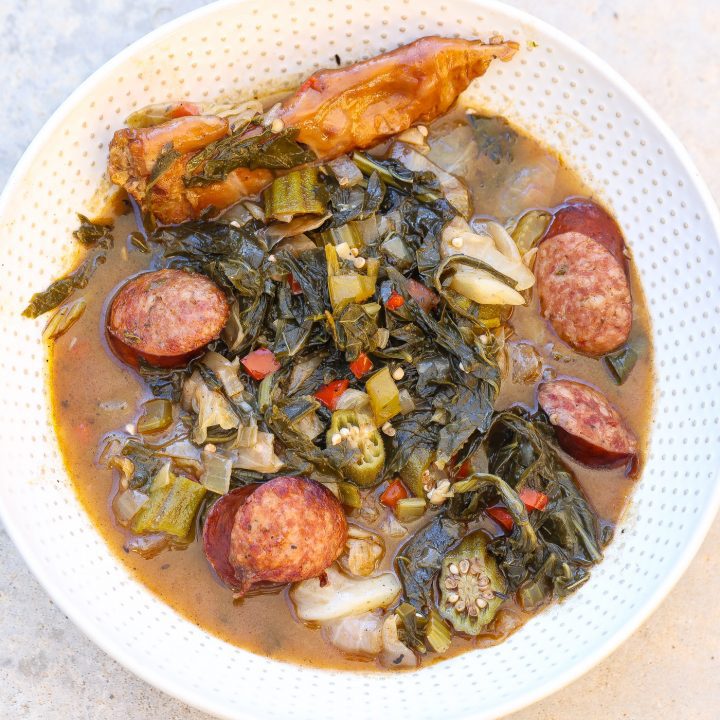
93	393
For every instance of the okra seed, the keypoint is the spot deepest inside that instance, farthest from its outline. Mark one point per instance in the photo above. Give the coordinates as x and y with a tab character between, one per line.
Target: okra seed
453	598
398	373
345	432
451	583
453	568
464	566
481	603
336	439
488	594
460	605
354	252
457	242
359	262
277	125
271	258
210	448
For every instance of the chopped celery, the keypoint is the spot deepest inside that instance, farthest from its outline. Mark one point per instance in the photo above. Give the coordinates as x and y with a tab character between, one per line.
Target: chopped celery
348	233
372	267
350	288
437	633
409	509
384	396
216	472
331	257
372	309
157	416
297	193
171	506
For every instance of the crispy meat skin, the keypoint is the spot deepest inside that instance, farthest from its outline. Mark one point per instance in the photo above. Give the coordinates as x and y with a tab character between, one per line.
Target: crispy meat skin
356	107
336	111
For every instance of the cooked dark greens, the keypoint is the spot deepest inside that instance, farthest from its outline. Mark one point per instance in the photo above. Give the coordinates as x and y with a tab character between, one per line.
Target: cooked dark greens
347	388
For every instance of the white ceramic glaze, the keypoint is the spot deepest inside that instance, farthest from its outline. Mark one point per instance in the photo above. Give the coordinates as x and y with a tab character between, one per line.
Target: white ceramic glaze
560	93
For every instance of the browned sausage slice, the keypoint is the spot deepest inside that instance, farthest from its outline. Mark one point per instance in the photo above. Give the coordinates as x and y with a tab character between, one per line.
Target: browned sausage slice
167	316
289	529
587	426
587	217
216	533
584	293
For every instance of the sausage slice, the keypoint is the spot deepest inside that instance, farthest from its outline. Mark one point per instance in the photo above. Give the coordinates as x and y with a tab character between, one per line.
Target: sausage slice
216	532
584	293
166	316
289	529
586	217
587	425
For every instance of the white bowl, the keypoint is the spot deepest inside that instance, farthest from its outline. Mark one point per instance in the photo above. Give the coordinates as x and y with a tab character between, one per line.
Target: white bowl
561	94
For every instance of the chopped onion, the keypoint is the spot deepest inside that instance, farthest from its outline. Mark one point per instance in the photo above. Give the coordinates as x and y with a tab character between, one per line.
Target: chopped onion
342	595
217	468
412	136
64	319
126	504
395	653
227	372
297	226
481	287
357	635
309	425
261	457
356	400
346	171
455	192
406	402
212	408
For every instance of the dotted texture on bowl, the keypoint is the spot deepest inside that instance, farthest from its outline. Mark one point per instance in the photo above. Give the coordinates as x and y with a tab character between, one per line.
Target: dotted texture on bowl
558	95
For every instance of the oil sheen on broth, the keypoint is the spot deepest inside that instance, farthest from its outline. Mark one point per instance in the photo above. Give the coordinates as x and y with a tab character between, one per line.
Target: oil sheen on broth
93	393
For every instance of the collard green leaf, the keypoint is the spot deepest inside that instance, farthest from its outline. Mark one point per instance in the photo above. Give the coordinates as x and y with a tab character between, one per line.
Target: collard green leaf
91	234
273	151
420	559
61	289
569	533
494	136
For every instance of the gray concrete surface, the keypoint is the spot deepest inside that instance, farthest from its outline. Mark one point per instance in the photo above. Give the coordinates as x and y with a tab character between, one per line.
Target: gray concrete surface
669	52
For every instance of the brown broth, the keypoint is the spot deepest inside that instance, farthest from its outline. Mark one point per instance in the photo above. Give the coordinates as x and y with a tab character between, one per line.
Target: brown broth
93	394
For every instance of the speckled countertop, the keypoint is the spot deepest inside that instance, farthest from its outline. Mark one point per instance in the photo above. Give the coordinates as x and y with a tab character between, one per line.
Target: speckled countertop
671	666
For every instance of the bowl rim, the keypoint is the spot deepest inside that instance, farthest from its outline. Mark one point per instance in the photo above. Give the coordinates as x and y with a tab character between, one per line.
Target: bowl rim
525	698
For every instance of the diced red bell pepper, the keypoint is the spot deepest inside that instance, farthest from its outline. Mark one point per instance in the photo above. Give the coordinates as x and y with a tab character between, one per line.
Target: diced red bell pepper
395	301
393	493
422	295
362	365
329	394
295	287
183	109
533	499
260	363
502	517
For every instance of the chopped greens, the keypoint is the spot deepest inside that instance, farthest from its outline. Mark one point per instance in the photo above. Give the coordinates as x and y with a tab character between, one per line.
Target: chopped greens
274	151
